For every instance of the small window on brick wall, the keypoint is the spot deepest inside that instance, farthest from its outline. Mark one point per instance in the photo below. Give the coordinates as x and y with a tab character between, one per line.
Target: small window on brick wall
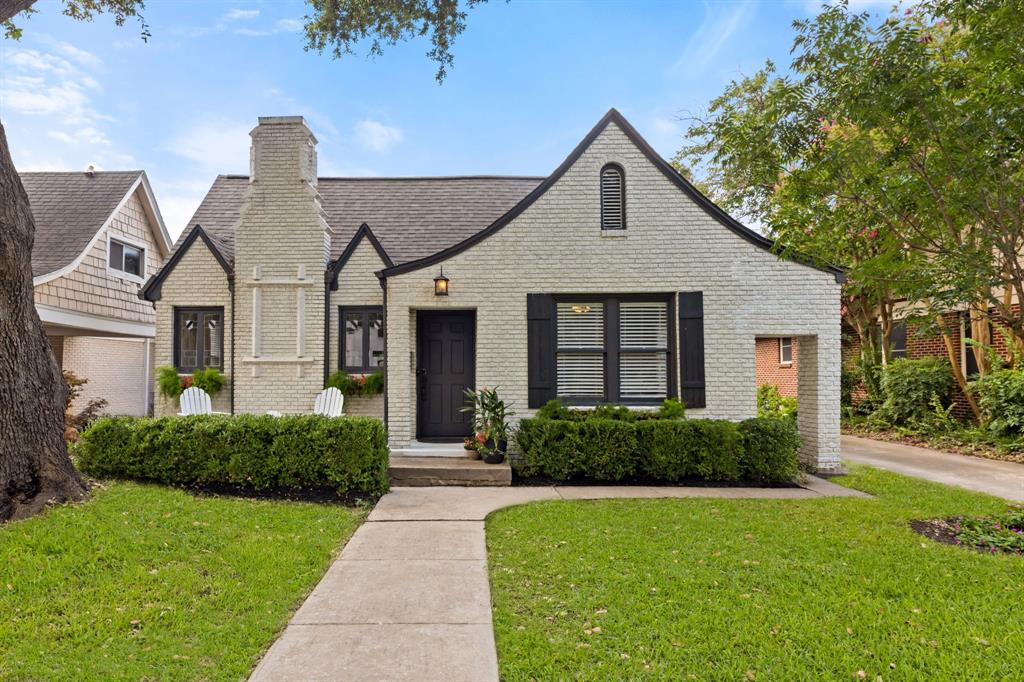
198	338
786	350
361	339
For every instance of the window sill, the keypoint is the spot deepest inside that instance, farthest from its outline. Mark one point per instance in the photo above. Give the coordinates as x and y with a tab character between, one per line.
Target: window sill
126	276
786	364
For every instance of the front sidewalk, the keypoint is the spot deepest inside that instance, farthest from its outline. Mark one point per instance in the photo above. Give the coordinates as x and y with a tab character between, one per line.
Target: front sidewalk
1005	479
409	598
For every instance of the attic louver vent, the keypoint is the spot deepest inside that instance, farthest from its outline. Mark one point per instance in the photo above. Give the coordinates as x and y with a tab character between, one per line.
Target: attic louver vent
613	198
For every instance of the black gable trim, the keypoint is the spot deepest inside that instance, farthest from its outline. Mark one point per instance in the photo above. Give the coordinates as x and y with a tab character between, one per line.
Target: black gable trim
334	269
613	116
151	291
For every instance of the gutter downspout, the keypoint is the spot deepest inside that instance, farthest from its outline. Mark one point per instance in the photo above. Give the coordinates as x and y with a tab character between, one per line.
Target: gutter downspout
231	289
387	365
327	322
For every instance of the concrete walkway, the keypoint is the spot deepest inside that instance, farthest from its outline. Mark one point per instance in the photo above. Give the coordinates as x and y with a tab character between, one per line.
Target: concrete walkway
409	598
1005	479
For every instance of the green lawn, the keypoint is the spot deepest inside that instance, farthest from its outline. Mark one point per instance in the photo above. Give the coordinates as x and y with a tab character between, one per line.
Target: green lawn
147	582
753	589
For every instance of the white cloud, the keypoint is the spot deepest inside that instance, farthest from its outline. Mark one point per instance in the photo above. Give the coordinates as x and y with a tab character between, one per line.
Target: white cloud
708	39
83	57
289	25
241	14
251	32
376	136
215	145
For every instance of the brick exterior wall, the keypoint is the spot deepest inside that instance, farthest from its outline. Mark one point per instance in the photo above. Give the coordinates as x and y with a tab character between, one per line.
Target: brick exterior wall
116	370
94	289
357	286
771	371
198	280
671	244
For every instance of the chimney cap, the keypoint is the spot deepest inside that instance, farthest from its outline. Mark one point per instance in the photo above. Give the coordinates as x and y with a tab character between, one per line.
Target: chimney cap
281	120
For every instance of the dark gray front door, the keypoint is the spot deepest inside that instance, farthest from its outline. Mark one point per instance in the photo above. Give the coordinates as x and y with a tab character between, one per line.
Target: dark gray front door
444	370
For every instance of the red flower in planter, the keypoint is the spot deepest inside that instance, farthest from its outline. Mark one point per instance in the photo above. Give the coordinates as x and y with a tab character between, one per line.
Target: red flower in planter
186	382
481	437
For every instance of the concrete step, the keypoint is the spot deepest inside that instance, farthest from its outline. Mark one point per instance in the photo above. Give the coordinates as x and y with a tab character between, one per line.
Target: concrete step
431	471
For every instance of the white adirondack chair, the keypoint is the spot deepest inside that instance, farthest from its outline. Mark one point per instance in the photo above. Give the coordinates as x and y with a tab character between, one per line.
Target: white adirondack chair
329	403
194	400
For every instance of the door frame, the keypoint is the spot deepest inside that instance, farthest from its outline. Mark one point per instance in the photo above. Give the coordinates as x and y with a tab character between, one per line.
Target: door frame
422	316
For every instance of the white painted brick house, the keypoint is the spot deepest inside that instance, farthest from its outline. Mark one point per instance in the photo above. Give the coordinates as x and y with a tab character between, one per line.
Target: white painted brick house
99	236
610	280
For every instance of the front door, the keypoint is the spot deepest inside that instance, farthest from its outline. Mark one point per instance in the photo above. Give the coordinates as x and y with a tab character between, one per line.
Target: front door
445	369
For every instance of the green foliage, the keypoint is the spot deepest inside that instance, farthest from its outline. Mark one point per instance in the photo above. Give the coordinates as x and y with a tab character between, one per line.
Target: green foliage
553	409
769	450
773	405
258	451
490	415
168	382
672	409
210	380
1001	532
908	387
672	450
352	385
1001	397
337	25
663	449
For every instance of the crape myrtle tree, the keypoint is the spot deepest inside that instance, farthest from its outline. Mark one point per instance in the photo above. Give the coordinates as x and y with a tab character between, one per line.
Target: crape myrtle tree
894	147
35	469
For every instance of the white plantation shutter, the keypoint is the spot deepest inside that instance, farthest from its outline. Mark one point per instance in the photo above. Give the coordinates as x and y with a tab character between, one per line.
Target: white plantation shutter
580	359
643	344
613	204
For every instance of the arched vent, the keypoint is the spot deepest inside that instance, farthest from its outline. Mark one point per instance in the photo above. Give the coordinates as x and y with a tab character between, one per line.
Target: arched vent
613	198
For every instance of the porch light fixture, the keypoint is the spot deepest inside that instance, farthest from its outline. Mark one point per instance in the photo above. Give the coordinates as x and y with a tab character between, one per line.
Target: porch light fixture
441	284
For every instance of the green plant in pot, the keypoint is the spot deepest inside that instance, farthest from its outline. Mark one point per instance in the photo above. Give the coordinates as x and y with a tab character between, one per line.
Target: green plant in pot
490	423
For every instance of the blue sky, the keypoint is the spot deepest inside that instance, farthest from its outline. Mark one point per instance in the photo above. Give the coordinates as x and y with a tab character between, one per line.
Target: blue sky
530	79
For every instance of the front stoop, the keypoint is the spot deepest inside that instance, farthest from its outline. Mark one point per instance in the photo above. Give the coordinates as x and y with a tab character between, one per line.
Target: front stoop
408	471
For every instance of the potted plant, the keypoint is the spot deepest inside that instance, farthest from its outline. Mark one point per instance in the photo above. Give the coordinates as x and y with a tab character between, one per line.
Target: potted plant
490	423
472	445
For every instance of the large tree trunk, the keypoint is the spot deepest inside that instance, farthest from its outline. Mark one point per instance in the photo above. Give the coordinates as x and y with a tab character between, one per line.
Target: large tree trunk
34	465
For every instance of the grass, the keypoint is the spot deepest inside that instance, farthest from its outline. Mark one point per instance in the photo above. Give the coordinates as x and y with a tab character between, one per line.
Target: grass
753	589
147	582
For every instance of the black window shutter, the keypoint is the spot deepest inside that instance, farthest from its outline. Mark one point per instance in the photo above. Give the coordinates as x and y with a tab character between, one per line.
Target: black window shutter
540	345
691	348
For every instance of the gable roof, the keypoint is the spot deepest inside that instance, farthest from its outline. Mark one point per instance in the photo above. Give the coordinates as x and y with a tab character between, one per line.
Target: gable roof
411	217
363	231
70	209
151	290
613	116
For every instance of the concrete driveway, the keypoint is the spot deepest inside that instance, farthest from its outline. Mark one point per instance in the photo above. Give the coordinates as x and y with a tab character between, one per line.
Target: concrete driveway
1004	479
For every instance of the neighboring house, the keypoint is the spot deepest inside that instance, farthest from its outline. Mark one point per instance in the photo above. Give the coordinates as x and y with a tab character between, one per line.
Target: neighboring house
99	235
776	362
612	279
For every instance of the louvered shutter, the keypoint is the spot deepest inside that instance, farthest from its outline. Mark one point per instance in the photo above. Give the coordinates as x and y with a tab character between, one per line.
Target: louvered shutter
540	342
691	348
643	349
580	357
613	198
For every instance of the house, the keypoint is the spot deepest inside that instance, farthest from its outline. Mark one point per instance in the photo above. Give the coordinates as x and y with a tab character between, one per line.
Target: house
611	279
99	236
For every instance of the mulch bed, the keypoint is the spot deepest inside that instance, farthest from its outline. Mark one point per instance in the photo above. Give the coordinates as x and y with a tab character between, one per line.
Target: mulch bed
944	531
518	480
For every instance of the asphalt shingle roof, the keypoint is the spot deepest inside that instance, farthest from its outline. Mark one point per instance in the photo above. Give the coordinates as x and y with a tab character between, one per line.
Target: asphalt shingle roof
411	217
69	208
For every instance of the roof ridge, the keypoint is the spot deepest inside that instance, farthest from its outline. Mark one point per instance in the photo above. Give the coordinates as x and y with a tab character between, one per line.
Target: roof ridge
133	171
234	176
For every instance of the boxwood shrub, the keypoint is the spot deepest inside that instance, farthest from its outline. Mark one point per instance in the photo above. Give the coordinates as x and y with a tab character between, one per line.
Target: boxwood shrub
349	454
585	445
909	387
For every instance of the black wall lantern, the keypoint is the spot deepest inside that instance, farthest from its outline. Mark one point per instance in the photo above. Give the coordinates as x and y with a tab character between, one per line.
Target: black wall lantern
441	284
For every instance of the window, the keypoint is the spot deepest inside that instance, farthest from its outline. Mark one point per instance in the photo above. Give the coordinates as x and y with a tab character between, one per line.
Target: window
361	339
198	338
898	340
613	198
127	258
786	350
612	350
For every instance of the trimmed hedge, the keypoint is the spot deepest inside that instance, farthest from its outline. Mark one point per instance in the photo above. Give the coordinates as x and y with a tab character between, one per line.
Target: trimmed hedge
349	454
670	450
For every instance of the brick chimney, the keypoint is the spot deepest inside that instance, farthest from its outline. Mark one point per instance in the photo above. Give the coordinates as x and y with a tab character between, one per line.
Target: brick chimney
282	246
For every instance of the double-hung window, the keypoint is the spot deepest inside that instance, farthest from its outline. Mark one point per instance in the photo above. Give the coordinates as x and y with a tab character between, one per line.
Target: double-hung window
612	349
361	339
786	350
198	338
